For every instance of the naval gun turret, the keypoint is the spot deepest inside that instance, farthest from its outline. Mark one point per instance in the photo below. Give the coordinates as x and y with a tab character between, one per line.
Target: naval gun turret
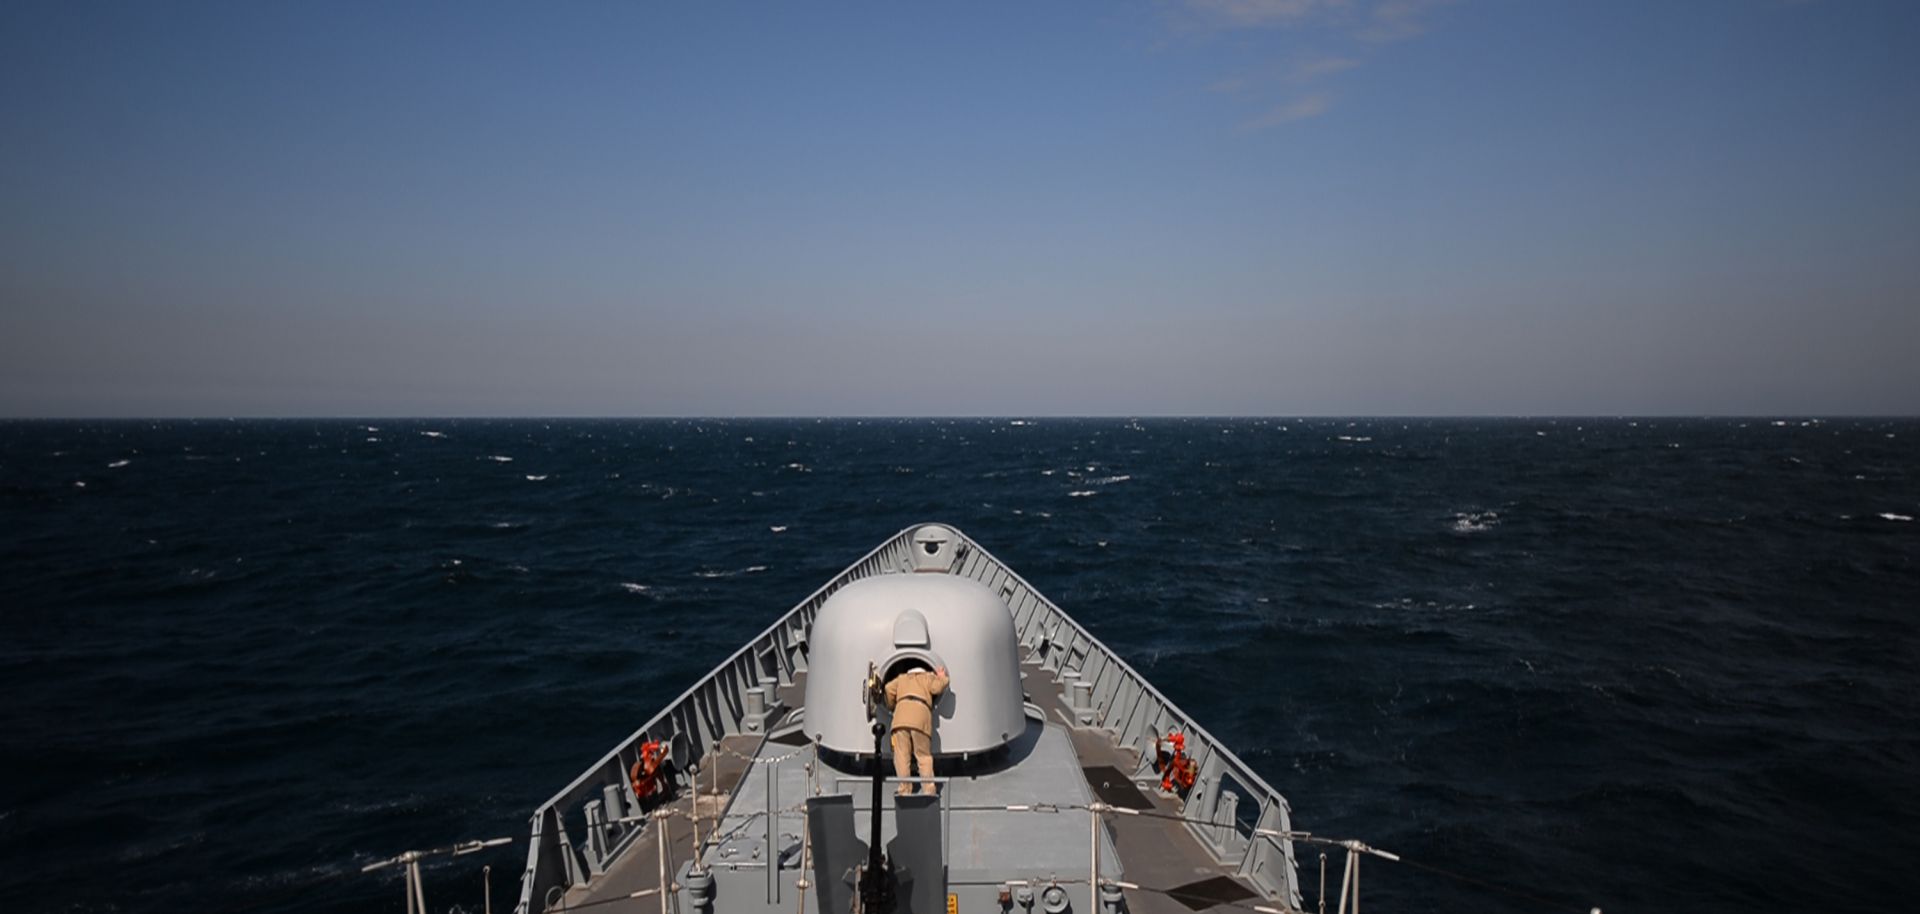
892	622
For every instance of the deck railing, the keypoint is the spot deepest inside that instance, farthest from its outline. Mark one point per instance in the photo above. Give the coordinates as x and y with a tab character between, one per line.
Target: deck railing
576	835
579	832
1228	801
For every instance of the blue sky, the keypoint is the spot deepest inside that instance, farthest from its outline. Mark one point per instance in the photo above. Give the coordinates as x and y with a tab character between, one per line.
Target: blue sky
1205	207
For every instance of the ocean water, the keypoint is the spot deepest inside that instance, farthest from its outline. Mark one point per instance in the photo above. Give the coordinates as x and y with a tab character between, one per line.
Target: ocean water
1644	665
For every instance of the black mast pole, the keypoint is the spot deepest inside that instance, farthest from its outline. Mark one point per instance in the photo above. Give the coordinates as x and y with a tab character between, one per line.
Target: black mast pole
876	894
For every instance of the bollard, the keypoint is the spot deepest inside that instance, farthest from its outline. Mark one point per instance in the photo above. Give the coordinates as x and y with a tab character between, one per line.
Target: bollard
1082	699
697	888
1225	812
614	796
756	708
596	838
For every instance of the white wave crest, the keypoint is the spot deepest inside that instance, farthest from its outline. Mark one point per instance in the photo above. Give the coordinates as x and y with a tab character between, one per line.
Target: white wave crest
710	573
1108	480
631	587
1475	521
118	464
1083	493
778	528
533	478
433	434
1889	515
498	458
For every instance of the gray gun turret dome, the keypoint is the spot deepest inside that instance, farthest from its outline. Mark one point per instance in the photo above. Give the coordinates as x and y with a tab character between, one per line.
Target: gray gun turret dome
894	620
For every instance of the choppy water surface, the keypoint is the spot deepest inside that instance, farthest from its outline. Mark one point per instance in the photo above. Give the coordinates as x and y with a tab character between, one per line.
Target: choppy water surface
1644	665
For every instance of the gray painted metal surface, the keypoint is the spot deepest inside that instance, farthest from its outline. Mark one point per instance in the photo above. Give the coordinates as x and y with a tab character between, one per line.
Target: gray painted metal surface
580	846
958	623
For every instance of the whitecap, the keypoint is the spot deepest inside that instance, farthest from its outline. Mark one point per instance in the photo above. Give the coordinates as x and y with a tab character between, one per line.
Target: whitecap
433	434
1475	521
710	573
1108	480
118	464
1081	494
631	587
1355	439
778	528
79	484
1889	515
533	478
498	458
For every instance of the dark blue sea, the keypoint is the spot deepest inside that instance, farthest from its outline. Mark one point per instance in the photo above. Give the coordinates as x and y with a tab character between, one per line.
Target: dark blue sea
1644	665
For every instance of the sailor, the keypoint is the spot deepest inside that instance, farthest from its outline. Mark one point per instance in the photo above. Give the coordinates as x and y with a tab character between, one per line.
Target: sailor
910	697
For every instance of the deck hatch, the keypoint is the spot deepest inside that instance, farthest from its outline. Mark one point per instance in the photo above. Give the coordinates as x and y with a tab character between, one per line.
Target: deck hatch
790	738
1202	894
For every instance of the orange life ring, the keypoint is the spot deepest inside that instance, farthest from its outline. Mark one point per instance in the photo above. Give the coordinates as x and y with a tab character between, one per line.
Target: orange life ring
1177	771
646	771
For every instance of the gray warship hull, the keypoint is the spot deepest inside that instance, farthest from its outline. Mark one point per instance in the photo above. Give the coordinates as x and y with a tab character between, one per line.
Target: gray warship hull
1100	796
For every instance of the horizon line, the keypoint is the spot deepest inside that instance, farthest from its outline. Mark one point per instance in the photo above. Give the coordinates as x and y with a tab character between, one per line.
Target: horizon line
892	417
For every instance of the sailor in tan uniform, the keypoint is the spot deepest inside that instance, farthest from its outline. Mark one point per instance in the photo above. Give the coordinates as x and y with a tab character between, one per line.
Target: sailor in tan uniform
910	697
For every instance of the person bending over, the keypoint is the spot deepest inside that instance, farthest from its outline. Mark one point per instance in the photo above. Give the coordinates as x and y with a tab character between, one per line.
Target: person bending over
910	697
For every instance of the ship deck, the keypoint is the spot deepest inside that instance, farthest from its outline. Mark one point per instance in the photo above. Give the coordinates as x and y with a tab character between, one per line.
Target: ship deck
1057	762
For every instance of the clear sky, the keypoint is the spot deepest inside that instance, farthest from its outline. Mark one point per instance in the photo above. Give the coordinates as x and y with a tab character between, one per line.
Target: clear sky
821	208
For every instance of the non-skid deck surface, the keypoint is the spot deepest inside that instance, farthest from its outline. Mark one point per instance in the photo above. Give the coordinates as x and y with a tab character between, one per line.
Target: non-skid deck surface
1157	853
1113	786
638	868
